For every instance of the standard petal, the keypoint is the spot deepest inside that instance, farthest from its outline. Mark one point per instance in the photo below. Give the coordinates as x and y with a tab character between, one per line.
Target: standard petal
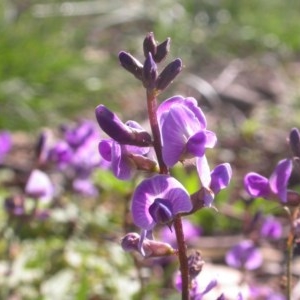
256	185
178	126
279	179
220	177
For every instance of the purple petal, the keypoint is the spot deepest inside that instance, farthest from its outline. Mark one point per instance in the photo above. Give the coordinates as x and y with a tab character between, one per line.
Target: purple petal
220	177
179	125
39	186
211	139
5	143
271	228
159	186
105	149
203	171
196	144
122	167
256	185
244	255
279	179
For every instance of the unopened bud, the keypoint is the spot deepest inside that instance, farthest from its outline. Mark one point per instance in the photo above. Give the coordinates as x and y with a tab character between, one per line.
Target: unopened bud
131	64
149	72
149	45
162	50
295	142
168	74
151	248
195	263
120	132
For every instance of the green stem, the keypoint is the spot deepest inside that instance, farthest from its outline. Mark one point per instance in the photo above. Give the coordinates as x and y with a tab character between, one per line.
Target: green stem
157	144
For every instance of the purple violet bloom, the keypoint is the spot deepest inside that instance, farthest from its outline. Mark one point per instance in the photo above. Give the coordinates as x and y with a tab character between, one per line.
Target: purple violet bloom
5	143
121	156
158	200
244	255
190	230
120	132
39	186
183	130
259	186
197	291
213	181
271	228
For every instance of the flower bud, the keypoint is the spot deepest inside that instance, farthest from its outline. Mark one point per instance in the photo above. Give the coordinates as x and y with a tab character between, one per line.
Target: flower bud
195	263
295	142
131	64
120	132
168	74
149	45
162	51
151	248
149	72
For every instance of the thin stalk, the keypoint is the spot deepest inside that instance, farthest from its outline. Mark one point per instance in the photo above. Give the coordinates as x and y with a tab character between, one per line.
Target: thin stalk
183	261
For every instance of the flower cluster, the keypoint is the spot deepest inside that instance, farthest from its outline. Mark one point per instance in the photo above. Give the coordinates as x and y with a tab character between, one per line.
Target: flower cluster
179	132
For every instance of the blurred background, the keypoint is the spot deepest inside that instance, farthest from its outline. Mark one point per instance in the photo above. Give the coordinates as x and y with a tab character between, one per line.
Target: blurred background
59	60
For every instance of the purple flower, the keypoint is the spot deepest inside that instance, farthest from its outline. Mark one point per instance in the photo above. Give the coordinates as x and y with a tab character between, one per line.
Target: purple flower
259	186
244	255
190	230
39	186
158	200
120	132
213	181
150	248
271	228
121	156
198	289
183	130
5	143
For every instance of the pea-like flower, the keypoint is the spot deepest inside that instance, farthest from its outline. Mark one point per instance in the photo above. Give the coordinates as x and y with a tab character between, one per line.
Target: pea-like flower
5	143
183	130
259	186
125	159
157	200
213	181
244	255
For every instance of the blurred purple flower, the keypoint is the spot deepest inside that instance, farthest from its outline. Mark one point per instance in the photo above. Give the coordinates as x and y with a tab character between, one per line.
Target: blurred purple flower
190	230
5	143
259	186
271	228
197	290
158	200
183	130
265	292
39	186
244	255
213	181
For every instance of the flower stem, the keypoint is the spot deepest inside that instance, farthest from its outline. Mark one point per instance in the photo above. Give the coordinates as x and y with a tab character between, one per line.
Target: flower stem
152	114
152	108
182	258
